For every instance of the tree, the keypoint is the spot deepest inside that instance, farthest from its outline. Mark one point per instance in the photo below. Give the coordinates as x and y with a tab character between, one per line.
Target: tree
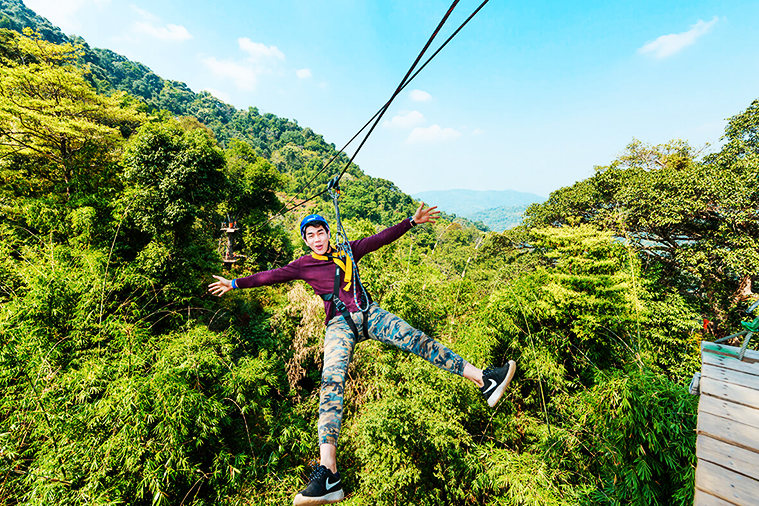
738	162
174	176
174	182
693	219
51	114
251	198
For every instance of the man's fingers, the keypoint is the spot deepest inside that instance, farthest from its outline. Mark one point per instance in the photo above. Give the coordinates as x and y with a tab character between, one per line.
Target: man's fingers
430	211
218	288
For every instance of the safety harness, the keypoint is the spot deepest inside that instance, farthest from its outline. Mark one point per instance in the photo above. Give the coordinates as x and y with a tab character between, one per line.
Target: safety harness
344	261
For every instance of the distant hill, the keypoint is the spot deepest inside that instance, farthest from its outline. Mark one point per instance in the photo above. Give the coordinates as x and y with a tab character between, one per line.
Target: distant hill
501	218
466	202
498	210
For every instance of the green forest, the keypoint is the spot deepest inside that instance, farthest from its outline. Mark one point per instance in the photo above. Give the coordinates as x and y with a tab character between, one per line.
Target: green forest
124	382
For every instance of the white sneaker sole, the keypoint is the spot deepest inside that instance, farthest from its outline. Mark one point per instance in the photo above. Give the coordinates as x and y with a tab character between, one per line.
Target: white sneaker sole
498	392
301	500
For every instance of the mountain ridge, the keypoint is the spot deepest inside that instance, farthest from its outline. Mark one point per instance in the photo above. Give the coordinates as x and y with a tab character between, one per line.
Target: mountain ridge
464	202
296	151
498	209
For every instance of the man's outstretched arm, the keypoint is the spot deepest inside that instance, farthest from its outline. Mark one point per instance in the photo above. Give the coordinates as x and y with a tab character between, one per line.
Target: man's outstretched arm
289	272
372	243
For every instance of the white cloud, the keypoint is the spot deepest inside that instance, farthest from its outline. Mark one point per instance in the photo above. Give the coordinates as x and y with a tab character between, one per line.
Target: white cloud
406	119
670	44
244	77
432	133
63	12
478	131
148	25
169	32
419	96
143	13
224	97
303	73
259	51
261	60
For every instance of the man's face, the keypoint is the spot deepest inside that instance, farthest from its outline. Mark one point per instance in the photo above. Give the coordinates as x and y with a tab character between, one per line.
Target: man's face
317	239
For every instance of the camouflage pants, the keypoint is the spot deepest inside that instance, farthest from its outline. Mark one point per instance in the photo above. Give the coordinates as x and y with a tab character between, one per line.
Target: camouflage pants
339	342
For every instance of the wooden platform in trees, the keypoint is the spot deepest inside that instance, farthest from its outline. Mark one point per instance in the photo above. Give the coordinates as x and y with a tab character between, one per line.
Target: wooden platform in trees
728	428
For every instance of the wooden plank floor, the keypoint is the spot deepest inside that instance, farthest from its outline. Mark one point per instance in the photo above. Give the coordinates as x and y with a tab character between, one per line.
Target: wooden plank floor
728	430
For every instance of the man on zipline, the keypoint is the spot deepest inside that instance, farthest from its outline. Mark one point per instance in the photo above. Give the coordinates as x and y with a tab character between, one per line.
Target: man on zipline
330	274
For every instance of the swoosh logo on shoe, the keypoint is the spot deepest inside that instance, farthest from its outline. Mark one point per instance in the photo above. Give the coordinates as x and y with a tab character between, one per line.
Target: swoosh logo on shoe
329	485
492	385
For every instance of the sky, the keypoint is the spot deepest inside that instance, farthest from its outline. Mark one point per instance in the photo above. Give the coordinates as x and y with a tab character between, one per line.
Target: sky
529	96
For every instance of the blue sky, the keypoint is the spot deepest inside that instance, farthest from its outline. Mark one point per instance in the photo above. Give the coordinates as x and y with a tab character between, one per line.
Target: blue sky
530	96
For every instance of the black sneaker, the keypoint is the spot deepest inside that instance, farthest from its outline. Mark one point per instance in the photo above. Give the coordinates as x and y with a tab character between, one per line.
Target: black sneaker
495	380
323	487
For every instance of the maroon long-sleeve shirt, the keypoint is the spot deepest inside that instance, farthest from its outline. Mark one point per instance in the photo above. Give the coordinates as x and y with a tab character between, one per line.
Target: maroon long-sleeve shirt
320	274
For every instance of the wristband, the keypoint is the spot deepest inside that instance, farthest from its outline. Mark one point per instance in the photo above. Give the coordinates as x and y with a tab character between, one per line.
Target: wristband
234	285
411	220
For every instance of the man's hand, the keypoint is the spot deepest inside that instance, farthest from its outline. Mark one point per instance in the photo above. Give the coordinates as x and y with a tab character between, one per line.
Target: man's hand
423	215
220	287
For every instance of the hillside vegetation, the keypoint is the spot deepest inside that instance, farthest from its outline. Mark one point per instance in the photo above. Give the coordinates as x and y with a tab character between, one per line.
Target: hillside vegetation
123	382
500	218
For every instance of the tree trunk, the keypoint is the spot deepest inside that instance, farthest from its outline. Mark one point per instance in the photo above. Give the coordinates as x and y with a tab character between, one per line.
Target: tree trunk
718	314
744	290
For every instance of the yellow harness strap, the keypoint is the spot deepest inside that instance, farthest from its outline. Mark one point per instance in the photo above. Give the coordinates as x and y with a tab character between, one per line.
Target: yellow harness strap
346	265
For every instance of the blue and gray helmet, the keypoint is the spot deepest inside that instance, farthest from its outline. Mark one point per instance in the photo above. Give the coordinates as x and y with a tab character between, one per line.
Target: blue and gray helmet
311	220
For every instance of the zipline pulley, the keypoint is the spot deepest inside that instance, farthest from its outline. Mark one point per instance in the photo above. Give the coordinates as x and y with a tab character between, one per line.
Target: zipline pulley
333	185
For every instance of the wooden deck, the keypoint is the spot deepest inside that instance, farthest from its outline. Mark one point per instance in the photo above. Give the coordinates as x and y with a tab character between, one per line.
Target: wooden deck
728	429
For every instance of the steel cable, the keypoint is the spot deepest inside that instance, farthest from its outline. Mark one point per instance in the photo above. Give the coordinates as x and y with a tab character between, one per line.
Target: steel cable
407	79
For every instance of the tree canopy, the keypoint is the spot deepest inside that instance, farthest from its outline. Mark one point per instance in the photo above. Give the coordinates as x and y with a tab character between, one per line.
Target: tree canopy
692	215
50	113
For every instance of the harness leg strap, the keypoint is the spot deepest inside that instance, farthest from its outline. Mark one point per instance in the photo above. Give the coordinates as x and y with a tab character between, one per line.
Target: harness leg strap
366	325
338	304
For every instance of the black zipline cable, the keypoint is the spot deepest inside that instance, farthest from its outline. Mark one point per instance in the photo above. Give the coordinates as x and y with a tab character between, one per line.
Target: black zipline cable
380	111
387	104
400	87
404	83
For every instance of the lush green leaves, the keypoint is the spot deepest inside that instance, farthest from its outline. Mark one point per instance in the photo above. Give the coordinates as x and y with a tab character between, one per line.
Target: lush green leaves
49	112
694	220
